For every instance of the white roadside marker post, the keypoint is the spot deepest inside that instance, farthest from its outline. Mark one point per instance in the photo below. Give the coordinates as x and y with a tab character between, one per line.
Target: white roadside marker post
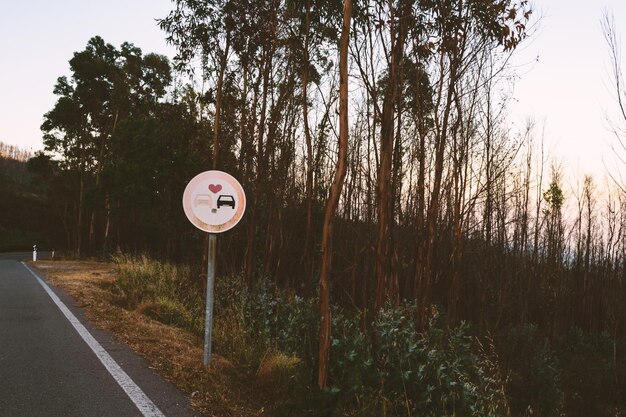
34	253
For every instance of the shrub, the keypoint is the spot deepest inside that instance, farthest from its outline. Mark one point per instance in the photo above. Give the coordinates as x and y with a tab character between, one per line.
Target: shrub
589	372
440	372
298	328
533	371
233	333
394	370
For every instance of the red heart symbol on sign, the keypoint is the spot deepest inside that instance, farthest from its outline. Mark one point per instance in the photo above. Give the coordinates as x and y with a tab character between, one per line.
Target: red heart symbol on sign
215	188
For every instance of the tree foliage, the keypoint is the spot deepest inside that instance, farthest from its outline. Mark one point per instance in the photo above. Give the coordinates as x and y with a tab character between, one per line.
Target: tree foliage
443	207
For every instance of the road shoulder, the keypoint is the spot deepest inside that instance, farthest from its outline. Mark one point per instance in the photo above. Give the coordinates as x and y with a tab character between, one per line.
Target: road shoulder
131	339
144	343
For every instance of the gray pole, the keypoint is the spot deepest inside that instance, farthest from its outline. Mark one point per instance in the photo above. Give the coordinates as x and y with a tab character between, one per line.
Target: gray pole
208	319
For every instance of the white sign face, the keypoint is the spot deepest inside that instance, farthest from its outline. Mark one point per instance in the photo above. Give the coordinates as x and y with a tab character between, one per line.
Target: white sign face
214	201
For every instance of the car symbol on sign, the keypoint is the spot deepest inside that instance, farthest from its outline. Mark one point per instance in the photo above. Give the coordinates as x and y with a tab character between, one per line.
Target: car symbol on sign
226	200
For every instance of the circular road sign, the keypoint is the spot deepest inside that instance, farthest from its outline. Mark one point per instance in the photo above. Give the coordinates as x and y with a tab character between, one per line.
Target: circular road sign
214	201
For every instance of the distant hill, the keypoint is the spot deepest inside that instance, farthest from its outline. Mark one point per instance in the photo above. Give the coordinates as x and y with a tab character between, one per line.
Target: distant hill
24	220
12	152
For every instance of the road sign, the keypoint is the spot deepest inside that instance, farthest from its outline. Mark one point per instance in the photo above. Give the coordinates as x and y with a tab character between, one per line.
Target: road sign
214	201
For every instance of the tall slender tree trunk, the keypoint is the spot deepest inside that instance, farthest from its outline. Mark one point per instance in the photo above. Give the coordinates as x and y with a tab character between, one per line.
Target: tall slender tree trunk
216	132
261	170
92	223
218	100
421	211
460	167
333	200
384	282
79	226
308	264
433	209
250	224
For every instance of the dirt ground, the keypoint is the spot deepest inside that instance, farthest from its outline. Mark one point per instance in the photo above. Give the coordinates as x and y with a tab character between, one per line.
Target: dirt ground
174	353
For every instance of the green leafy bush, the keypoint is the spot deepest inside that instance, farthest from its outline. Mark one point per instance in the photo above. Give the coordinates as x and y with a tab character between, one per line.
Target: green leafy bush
386	367
440	372
533	371
590	379
443	371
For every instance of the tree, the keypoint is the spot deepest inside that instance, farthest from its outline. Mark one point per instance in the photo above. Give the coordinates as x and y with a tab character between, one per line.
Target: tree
553	197
609	31
107	85
333	200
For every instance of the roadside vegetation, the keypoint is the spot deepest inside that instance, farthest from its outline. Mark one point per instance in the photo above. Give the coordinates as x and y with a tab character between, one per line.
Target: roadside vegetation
382	368
271	337
406	250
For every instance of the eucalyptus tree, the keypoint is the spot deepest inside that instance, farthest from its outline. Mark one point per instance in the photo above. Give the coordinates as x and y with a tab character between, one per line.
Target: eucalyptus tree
203	28
387	24
106	86
554	221
270	52
415	60
311	35
151	157
333	199
217	34
457	32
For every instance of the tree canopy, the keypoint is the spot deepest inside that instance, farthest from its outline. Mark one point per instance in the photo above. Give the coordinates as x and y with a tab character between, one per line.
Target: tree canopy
439	208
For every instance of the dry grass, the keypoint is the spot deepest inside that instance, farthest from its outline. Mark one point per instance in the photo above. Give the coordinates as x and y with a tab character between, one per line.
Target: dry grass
276	375
224	390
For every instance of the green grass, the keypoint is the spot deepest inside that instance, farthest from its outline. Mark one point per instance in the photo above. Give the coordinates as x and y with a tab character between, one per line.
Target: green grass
163	291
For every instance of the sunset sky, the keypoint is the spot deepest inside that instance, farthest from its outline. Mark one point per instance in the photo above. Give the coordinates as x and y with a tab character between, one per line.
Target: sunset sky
563	82
37	40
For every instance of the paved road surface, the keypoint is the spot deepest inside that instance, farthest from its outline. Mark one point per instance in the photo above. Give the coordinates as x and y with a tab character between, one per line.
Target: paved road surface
48	369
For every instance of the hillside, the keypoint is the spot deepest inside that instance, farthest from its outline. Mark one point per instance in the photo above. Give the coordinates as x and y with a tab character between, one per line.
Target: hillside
24	220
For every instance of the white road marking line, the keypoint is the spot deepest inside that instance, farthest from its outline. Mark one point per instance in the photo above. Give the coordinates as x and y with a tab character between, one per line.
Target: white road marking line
137	396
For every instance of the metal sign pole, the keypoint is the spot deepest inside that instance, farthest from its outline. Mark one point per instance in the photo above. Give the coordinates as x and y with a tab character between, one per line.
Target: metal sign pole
214	202
208	320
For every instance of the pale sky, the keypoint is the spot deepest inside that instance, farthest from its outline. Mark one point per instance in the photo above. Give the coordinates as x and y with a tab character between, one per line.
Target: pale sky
564	79
39	37
565	82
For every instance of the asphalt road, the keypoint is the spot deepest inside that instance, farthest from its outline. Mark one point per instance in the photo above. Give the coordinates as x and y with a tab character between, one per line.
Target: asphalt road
53	363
